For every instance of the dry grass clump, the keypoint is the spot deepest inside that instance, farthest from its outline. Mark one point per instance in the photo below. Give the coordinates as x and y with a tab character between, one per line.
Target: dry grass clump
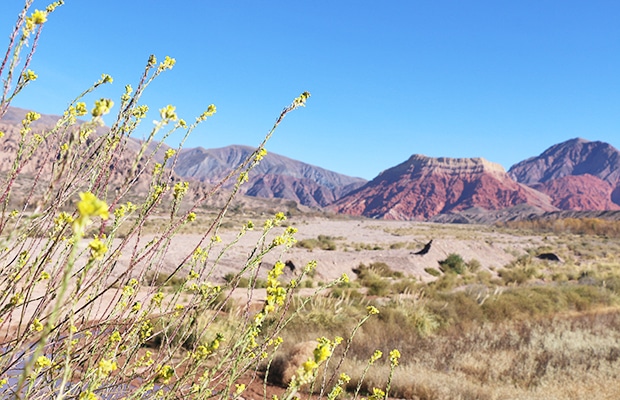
322	242
551	359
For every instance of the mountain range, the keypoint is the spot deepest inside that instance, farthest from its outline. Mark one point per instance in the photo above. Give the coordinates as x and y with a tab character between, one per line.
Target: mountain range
576	175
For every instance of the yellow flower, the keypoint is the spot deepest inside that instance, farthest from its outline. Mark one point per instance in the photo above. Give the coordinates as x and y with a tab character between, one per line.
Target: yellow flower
106	367
36	325
376	355
29	75
178	308
146	330
377	394
301	100
191	217
17	299
102	107
32	116
208	113
168	113
372	310
239	388
42	362
322	351
88	395
180	188
168	63
394	357
310	366
261	154
91	206
157	298
38	17
169	153
165	373
115	337
97	249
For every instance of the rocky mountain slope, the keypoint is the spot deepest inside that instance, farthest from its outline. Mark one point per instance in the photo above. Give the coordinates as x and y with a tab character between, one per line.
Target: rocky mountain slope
576	174
423	187
275	176
573	175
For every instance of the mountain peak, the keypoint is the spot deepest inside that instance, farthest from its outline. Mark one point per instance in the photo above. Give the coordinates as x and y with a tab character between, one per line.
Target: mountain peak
573	157
577	174
452	165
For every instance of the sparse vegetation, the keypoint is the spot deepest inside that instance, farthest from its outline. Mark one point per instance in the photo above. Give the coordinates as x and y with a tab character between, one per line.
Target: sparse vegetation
322	242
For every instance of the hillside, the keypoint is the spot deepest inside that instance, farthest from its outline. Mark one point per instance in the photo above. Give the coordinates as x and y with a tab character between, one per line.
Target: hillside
275	177
577	174
423	187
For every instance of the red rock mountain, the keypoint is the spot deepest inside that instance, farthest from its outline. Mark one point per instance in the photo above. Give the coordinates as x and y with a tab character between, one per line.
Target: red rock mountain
423	187
576	174
275	176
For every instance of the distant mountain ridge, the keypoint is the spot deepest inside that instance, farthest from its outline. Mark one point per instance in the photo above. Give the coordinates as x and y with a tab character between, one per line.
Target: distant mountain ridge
576	175
275	176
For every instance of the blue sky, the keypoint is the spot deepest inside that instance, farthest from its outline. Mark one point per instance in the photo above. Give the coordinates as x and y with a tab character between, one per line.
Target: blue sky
494	79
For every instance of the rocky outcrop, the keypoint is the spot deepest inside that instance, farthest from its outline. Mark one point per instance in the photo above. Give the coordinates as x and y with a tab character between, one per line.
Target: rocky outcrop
423	187
576	174
275	176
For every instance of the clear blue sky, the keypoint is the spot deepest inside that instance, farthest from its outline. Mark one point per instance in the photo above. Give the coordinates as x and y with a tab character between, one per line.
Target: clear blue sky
502	80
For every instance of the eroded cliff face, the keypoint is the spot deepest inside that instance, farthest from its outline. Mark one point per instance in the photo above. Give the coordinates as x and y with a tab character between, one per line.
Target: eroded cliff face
423	187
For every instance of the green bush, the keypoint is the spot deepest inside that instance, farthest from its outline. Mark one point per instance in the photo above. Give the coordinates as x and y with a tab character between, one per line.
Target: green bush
454	263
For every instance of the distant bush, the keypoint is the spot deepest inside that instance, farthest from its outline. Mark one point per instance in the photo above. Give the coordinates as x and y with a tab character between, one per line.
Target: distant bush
432	271
453	263
322	242
517	275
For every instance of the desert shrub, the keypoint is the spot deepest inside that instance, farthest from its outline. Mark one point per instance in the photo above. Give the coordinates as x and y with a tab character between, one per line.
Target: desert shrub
75	317
378	268
453	263
376	285
405	286
322	242
455	309
473	265
517	275
378	278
